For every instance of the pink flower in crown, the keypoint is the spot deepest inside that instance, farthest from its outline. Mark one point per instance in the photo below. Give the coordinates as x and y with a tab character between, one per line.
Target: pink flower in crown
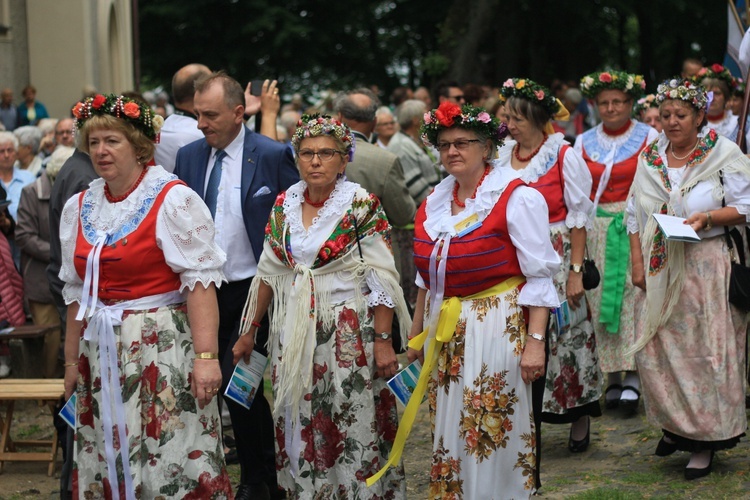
508	83
643	85
539	94
702	71
427	118
605	77
484	117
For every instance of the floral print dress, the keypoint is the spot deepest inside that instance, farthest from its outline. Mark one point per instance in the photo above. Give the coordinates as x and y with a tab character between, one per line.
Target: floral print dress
348	417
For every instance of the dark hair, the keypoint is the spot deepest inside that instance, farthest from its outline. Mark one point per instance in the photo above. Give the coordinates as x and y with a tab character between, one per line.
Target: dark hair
399	95
689	106
473	93
350	111
529	110
442	89
233	94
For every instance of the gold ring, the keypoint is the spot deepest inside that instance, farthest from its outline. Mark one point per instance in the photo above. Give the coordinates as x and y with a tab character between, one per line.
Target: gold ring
275	91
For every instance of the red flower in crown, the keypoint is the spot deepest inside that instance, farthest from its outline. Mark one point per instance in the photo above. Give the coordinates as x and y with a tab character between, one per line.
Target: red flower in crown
447	112
77	110
98	101
131	110
717	68
605	78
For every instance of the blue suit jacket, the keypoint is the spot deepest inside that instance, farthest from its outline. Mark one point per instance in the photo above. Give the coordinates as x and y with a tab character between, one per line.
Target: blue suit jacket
265	163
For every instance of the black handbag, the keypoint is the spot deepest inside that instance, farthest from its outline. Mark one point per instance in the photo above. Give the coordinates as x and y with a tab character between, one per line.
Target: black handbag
591	276
739	278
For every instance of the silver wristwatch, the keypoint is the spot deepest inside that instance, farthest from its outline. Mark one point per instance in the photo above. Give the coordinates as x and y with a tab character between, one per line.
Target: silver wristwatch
383	336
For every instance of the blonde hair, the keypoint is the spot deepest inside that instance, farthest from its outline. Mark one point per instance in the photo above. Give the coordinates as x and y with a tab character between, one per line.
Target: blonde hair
144	147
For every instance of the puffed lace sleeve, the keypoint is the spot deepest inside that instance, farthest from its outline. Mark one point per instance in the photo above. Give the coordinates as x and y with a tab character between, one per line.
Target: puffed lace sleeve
185	233
528	226
68	233
737	192
577	190
378	295
631	220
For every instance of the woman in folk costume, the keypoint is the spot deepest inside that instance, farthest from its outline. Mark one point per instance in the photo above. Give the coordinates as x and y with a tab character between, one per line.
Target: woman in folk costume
328	271
571	388
691	339
718	80
140	268
485	265
611	152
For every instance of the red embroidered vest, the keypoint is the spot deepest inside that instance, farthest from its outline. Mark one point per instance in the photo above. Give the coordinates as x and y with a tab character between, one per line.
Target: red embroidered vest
134	266
477	260
552	187
619	181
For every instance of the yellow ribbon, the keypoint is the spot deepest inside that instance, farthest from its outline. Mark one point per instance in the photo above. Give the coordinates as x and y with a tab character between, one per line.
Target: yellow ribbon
450	310
562	115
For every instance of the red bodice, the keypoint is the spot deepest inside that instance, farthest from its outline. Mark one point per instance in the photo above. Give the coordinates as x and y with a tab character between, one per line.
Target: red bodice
134	266
477	260
619	181
552	187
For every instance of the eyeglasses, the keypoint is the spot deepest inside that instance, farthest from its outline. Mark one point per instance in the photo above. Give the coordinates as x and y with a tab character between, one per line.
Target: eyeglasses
615	103
323	154
64	132
459	97
461	145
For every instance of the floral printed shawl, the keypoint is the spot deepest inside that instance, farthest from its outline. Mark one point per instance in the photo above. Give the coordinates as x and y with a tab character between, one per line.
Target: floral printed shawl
653	193
302	295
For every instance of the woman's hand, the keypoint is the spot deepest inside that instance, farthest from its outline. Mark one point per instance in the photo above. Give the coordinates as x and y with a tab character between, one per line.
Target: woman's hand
386	364
243	348
71	380
638	274
206	380
532	360
269	98
413	354
698	221
574	290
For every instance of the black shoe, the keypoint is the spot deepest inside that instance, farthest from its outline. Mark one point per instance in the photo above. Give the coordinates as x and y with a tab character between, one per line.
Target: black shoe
231	457
229	441
691	473
747	402
583	444
612	404
630	405
253	491
664	449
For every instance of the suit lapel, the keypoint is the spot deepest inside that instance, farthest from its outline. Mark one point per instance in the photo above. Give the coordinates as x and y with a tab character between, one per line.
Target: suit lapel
249	165
200	171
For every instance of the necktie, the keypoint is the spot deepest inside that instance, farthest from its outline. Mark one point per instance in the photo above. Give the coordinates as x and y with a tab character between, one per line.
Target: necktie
212	190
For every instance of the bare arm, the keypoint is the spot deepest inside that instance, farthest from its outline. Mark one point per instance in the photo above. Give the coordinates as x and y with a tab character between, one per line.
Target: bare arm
637	272
203	315
386	363
574	290
73	329
726	216
245	344
532	360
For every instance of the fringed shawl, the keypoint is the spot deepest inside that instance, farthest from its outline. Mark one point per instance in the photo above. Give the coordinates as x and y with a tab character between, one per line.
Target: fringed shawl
302	295
653	193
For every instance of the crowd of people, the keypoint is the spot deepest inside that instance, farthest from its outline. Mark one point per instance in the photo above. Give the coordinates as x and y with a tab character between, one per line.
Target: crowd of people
502	237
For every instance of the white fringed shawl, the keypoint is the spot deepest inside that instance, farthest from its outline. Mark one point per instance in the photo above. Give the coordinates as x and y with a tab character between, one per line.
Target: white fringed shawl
665	273
293	315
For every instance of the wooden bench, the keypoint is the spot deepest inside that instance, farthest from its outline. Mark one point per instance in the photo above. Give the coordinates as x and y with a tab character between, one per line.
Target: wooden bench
12	390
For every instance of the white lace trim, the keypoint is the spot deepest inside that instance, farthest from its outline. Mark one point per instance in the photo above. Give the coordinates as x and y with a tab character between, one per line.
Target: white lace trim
744	210
608	141
438	217
337	203
578	220
538	292
541	163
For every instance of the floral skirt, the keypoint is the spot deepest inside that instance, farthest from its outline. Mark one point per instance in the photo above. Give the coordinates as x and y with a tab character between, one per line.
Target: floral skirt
573	378
175	447
693	370
483	426
349	418
611	347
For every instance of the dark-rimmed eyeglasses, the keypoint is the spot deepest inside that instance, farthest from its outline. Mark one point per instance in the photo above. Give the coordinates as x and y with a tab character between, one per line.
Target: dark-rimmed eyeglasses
323	154
460	145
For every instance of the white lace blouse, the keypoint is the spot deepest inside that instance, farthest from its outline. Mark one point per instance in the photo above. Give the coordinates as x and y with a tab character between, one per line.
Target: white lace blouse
528	227
306	243
576	176
184	230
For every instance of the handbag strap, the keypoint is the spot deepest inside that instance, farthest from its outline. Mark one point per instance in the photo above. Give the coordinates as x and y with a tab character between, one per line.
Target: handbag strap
730	237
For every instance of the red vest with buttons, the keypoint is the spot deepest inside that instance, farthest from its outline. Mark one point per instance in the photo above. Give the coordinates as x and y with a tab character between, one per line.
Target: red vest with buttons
134	266
476	261
551	185
619	180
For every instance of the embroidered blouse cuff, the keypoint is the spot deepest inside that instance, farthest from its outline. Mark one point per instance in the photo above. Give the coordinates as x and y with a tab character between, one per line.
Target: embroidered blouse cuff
539	292
377	295
577	220
188	279
72	292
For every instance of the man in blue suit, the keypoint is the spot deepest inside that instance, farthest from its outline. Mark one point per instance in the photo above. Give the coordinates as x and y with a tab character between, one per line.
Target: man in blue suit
239	174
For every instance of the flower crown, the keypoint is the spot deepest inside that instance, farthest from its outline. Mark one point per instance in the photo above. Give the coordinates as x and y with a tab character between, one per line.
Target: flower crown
141	116
531	91
316	125
738	86
644	103
449	114
715	71
593	83
684	90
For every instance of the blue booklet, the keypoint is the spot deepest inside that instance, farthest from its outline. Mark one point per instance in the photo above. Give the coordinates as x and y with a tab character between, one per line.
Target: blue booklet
68	412
246	379
403	383
565	318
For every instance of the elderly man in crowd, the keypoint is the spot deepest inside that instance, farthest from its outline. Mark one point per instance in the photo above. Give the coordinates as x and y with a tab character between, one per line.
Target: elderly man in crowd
13	178
64	134
385	126
27	153
8	112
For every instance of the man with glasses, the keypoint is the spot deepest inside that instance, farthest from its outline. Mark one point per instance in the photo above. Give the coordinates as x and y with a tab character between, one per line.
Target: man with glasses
449	91
238	173
64	133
